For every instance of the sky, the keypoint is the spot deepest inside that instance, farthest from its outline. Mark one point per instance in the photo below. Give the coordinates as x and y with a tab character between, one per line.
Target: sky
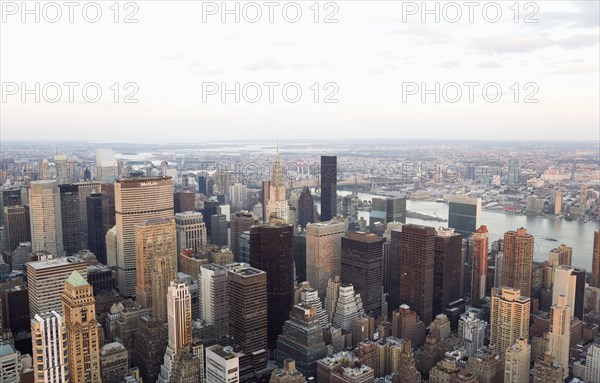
372	61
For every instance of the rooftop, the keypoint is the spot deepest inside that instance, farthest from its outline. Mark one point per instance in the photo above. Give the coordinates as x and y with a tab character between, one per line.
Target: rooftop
55	262
76	280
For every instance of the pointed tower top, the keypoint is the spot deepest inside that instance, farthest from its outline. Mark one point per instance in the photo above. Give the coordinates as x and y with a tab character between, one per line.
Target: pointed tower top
76	280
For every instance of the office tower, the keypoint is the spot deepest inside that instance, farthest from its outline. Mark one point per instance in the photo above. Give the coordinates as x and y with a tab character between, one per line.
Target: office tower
218	235
306	208
516	364
191	231
247	307
328	187
513	171
214	297
265	196
96	242
463	213
271	250
447	269
85	189
240	222
21	255
277	204
222	365
596	260
49	343
155	249
560	332
10	363
323	253
108	206
440	327
592	365
517	261
46	221
8	198
407	325
287	374
394	257
107	168
480	263
561	255
114	362
362	266
310	296
150	346
570	282
14	227
63	175
79	311
184	200
46	281
238	195
546	370
302	340
350	210
446	370
472	331
509	318
348	306
202	185
417	262
244	247
137	200
332	296
70	218
386	210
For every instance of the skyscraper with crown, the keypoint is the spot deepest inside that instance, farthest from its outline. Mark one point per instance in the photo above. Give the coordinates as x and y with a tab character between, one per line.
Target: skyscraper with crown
277	205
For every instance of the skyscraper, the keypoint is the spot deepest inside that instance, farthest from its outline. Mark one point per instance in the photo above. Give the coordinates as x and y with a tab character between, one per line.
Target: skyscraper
517	360
592	365
547	371
517	261
386	210
480	263
362	266
348	306
277	204
214	297
96	236
271	250
137	200
513	171
191	231
570	282
247	307
472	331
509	318
596	260
560	333
561	255
323	253
108	206
218	235
46	282
222	365
328	187
46	221
155	248
85	189
49	341
184	200
447	270
71	218
417	269
14	227
302	340
238	194
240	222
463	213
79	311
306	208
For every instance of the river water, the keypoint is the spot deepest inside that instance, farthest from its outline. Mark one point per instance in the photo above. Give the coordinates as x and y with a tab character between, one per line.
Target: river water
578	235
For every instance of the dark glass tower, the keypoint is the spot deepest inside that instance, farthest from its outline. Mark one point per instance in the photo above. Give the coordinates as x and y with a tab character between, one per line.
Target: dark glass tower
328	187
306	208
362	266
447	269
394	270
271	250
202	184
96	241
108	206
387	210
71	218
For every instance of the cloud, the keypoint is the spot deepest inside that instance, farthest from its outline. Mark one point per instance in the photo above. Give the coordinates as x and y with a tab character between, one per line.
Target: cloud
172	55
424	34
392	64
490	65
271	64
527	44
284	43
587	15
579	41
577	68
450	64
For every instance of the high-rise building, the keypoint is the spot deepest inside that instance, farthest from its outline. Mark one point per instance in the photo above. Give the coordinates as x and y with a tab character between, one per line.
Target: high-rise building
247	307
306	208
96	241
155	249
137	200
328	187
46	281
386	210
513	171
509	318
45	217
108	206
472	331
83	345
561	255
546	370
202	185
70	218
350	210
592	365
463	213
302	340
49	348
570	282
406	324
10	197
222	365
417	262
191	231
596	260
560	333
85	189
517	360
218	235
348	305
10	363
114	362
362	266
332	296
487	366
271	250
481	239
238	194
277	204
150	346
447	270
306	294
107	168
184	200
517	261
323	253
214	297
240	222
14	227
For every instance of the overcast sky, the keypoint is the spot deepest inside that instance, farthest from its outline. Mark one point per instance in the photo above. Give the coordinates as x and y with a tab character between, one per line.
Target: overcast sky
374	51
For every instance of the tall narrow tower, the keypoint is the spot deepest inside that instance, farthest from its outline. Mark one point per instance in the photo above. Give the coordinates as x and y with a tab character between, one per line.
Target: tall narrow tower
518	260
79	309
46	222
328	187
480	263
560	333
277	204
509	318
49	339
596	260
